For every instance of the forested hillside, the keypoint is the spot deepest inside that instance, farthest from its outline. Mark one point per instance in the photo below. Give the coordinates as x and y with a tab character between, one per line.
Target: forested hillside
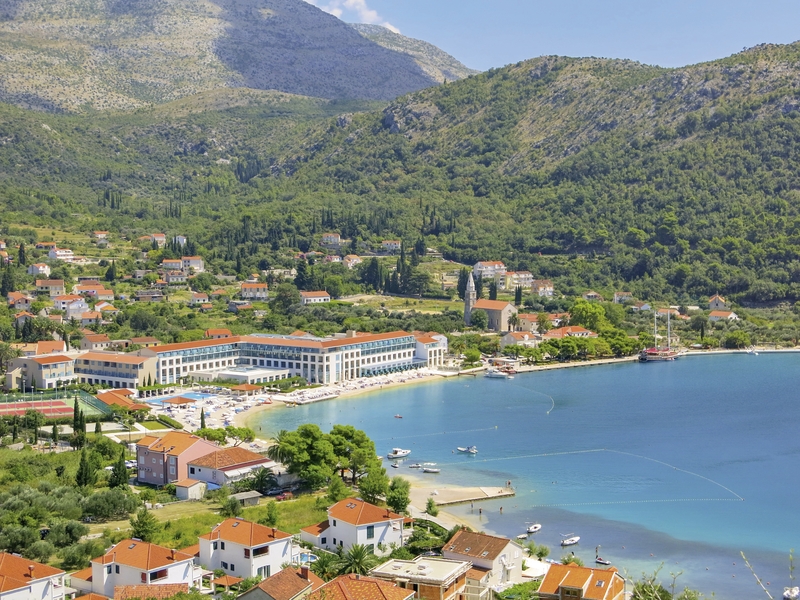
598	173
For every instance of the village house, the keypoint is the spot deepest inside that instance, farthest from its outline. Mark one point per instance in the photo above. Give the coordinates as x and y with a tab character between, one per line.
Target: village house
245	549
193	263
288	584
74	309
134	562
569	331
21	317
353	521
488	269
90	318
542	288
5	258
672	312
499	556
391	245
20	300
172	264
332	258
39	269
199	298
145	342
45	245
122	398
163	460
641	307
215	334
530	321
40	372
519	338
149	296
331	239
64	254
95	341
24	579
62	302
190	489
622	297
52	287
226	466
592	296
40	348
100	235
255	291
722	315
159	238
581	583
431	347
510	280
180	240
428	577
717	302
175	277
315	297
352	587
351	260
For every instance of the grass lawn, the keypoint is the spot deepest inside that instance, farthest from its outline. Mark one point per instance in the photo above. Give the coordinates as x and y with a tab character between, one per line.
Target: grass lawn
408	304
153	425
292	514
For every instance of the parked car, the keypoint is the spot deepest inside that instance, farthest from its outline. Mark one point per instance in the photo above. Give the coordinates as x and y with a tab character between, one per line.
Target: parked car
284	496
274	491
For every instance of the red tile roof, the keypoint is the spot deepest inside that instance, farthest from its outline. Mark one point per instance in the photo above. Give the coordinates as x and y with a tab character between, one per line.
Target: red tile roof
476	545
16	572
50	360
175	442
141	555
355	587
315	294
245	533
151	592
491	304
228	458
596	584
289	583
357	512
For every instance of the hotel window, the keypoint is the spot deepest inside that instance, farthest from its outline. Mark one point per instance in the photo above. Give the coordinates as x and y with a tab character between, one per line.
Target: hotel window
224	564
222	545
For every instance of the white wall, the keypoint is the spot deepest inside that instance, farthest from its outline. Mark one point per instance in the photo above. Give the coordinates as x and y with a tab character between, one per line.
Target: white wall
104	582
233	554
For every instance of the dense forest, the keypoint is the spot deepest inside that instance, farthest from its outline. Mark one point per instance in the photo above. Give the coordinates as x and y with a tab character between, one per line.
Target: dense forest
672	183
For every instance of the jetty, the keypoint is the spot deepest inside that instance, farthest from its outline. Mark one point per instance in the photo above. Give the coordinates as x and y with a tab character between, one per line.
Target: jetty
447	496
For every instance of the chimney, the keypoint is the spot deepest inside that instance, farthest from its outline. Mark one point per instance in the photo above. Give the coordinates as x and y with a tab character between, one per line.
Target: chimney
273	531
358	576
351	333
304	572
172	553
30	569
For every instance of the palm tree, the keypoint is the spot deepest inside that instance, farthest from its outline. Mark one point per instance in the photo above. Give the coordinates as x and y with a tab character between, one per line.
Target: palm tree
264	480
326	566
277	451
358	559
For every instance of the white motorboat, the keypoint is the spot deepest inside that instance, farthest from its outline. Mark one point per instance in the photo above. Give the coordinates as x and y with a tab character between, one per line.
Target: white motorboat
496	374
533	528
398	453
791	593
522	536
571	541
431	470
601	561
468	449
415	466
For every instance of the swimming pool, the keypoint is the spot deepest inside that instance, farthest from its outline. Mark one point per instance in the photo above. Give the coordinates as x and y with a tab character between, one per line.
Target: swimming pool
190	395
306	557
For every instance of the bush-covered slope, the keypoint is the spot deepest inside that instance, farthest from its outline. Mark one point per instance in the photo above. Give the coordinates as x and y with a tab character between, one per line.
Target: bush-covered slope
673	183
73	55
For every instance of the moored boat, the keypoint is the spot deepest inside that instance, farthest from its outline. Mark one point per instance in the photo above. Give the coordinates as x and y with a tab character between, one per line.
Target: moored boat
533	528
496	374
431	470
571	541
398	453
468	449
601	561
415	466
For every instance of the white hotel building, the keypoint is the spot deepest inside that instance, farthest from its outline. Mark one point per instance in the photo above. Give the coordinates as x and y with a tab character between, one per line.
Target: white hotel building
318	360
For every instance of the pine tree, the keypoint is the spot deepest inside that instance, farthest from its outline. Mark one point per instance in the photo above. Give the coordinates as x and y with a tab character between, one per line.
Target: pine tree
76	416
111	273
7	283
144	525
21	259
301	280
86	476
202	419
492	290
479	287
119	474
518	295
55	433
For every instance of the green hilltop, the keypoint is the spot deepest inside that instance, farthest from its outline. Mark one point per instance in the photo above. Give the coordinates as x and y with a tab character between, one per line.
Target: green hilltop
673	183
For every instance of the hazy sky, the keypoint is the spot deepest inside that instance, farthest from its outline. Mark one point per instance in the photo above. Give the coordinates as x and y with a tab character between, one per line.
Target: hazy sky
670	33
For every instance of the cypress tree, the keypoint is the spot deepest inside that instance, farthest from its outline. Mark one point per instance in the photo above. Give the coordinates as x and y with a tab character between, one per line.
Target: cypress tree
55	433
518	295
21	256
76	416
202	419
492	290
85	476
119	474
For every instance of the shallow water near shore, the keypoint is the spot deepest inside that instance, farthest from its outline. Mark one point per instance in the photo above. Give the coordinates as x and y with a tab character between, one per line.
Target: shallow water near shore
684	463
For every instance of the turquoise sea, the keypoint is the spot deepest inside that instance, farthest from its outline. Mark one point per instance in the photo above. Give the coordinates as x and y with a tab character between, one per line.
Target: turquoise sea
681	464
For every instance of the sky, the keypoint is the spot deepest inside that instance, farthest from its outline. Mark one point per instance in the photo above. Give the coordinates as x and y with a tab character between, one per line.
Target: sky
671	33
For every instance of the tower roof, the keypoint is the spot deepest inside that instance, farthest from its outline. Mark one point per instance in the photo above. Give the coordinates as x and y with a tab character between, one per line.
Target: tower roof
470	283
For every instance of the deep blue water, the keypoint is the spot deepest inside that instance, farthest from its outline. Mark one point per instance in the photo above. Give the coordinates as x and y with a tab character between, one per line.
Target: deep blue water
683	464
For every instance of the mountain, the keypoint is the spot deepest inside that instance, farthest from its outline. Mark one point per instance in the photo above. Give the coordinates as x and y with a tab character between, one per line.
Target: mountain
609	174
437	63
73	55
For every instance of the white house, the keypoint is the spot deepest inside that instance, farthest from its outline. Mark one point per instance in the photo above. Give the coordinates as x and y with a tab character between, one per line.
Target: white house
331	239
592	296
353	521
314	297
199	298
501	556
622	297
193	262
542	288
39	269
488	269
75	309
23	579
511	279
722	315
351	260
245	549
172	264
62	302
391	245
519	338
641	307
190	489
717	302
64	254
431	347
254	291
226	466
134	562
180	240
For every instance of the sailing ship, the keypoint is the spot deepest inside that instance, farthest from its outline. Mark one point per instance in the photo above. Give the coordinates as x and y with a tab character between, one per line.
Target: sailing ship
659	353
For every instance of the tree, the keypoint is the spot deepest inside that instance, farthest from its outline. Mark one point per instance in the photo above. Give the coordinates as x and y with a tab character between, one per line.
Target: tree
21	257
86	475
202	419
492	290
374	485
7	282
231	507
240	435
276	451
358	560
272	516
309	453
337	490
590	315
518	295
431	508
479	319
398	497
119	474
472	355
107	504
478	287
54	435
213	435
286	296
111	272
144	525
543	324
698	323
98	428
354	450
40	551
264	480
326	567
737	339
463	278
302	280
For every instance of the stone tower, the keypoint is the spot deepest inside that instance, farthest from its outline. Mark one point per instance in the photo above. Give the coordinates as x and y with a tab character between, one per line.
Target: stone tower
470	296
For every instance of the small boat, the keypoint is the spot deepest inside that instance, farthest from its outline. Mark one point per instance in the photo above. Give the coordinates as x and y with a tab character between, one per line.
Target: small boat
398	416
468	449
431	470
496	374
533	528
398	453
428	464
395	465
522	536
791	593
601	561
571	541
509	371
415	466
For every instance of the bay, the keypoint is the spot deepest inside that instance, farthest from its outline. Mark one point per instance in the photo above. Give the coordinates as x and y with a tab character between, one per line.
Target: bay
678	466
